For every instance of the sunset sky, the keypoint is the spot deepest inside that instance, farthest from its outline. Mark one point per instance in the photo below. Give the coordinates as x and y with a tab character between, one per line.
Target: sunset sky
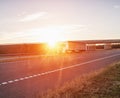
26	21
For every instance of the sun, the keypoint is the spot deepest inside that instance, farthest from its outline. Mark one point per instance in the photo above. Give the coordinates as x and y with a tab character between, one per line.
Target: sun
52	36
52	39
52	43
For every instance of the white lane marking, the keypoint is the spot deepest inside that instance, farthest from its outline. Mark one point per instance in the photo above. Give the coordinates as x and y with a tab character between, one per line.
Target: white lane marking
30	76
16	80
10	81
26	77
4	83
34	75
21	79
52	71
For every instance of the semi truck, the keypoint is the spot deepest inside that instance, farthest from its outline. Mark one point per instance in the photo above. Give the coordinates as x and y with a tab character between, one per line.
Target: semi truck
71	46
74	46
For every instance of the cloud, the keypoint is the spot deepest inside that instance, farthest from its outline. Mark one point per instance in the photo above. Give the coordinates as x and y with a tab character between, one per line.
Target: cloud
73	26
65	28
34	16
116	6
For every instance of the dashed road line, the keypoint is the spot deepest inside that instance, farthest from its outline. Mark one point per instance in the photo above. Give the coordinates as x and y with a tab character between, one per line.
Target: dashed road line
10	81
56	70
16	80
4	83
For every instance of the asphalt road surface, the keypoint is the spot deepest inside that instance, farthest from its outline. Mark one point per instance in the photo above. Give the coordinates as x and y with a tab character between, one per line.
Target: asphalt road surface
31	77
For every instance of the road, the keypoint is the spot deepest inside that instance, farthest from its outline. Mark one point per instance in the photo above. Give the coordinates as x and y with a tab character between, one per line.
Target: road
30	77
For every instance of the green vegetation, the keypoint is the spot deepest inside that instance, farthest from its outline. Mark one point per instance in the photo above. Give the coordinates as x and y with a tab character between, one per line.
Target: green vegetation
101	84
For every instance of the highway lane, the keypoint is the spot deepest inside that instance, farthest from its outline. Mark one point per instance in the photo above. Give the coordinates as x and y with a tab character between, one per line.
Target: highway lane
19	69
27	88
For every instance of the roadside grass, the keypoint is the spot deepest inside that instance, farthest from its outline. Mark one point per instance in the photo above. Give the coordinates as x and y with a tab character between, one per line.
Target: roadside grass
100	84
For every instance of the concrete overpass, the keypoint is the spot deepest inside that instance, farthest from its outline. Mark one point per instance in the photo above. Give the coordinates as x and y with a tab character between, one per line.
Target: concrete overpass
91	44
98	41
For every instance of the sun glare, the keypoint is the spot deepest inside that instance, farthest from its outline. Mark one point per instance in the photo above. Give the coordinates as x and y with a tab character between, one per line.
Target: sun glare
52	43
51	36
